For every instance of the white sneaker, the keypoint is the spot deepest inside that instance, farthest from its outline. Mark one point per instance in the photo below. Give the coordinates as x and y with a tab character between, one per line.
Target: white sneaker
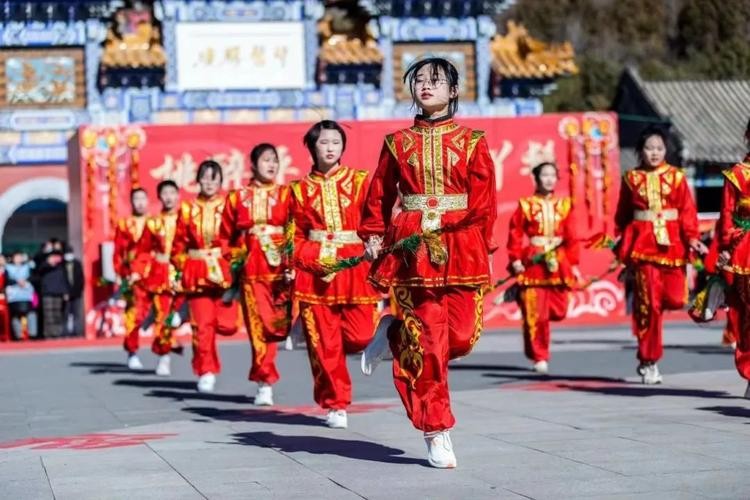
641	370
541	367
176	320
162	367
651	376
134	363
289	344
747	391
378	346
207	382
264	396
336	419
440	450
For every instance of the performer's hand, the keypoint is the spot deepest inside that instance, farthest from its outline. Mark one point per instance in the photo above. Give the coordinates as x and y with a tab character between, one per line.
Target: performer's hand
698	246
133	278
724	258
517	267
373	247
289	275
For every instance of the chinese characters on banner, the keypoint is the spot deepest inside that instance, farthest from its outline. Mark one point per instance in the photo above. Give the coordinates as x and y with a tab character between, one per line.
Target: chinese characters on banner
516	145
219	56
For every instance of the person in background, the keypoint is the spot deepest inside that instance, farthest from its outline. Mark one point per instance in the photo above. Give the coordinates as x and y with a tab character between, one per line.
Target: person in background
20	296
196	254
73	305
255	219
733	234
54	290
130	266
4	311
160	279
543	224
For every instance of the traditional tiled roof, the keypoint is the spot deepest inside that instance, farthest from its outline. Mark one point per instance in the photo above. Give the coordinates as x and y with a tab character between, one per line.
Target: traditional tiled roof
518	55
340	50
708	116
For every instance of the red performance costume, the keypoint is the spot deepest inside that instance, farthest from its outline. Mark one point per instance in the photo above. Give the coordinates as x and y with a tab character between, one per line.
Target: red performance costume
445	178
205	276
131	263
733	234
255	220
160	276
656	218
337	311
543	225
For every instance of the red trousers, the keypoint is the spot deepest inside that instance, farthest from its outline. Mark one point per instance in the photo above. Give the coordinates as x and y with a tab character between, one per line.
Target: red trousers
332	331
539	306
738	322
5	334
209	316
164	304
136	312
437	325
264	309
657	289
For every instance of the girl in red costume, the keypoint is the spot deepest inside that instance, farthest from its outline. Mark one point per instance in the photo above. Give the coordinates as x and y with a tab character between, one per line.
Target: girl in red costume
733	235
657	226
337	309
443	175
254	222
543	224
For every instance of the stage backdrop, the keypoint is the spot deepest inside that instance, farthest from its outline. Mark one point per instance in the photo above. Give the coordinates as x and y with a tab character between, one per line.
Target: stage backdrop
107	162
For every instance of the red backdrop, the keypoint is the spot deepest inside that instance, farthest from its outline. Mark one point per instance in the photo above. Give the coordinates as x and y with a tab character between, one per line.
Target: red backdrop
110	160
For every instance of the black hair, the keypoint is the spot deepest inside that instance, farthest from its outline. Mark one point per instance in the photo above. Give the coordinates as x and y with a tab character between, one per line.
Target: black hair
211	166
537	170
747	129
258	151
165	184
137	190
436	64
312	136
650	131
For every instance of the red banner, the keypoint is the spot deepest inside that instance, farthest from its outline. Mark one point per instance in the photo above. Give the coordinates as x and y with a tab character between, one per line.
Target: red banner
112	160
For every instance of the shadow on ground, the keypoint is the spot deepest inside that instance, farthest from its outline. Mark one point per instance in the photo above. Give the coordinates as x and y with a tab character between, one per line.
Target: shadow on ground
269	416
106	368
346	448
729	411
181	390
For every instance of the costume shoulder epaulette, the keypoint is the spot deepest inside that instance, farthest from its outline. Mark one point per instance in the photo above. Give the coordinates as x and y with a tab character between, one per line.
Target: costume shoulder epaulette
525	204
296	187
390	142
476	135
731	175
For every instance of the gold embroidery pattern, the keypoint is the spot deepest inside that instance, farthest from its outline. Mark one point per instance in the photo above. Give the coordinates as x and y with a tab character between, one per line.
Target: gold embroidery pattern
531	312
427	166
411	352
390	142
136	227
655	204
167	230
211	219
643	305
476	135
261	210
478	316
408	142
437	164
254	324
313	341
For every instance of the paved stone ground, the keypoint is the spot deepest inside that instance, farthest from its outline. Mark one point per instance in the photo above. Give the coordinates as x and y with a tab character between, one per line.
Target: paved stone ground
77	424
